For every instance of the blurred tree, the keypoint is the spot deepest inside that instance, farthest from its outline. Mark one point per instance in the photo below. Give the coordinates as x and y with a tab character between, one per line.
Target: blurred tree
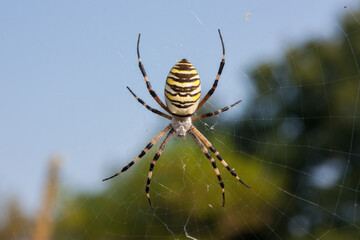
43	229
306	117
14	224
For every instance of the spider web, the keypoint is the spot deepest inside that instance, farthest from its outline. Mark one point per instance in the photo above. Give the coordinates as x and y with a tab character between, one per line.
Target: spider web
296	143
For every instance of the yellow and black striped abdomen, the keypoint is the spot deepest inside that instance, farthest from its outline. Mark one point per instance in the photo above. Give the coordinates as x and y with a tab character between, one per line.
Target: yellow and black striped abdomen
182	89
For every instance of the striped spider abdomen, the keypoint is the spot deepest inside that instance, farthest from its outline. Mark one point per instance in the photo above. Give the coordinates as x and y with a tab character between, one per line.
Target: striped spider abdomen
182	89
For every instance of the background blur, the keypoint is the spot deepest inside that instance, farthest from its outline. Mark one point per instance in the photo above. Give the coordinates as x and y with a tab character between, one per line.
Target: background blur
67	120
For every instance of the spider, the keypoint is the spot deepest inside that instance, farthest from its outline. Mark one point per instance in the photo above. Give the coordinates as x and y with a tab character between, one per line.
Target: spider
182	96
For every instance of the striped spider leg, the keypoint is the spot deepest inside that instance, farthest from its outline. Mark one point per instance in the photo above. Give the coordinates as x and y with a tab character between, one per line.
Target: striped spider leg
152	164
212	161
208	144
210	114
143	152
148	107
222	63
152	92
200	139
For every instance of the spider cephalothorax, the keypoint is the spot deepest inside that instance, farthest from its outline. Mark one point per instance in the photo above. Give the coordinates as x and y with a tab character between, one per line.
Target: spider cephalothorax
182	98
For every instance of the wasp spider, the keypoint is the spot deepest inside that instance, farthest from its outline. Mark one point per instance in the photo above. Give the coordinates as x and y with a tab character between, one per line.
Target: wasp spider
182	97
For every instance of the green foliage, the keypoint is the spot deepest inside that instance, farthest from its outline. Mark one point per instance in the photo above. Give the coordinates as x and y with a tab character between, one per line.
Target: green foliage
306	115
184	184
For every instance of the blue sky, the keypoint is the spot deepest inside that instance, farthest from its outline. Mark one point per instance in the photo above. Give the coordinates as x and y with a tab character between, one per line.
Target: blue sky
64	67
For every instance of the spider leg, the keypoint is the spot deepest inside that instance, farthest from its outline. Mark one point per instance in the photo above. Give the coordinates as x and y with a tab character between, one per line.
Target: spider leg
214	113
143	152
148	107
156	157
207	154
152	92
217	154
222	63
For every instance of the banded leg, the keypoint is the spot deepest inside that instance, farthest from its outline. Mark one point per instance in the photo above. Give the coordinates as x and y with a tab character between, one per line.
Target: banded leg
214	113
207	154
152	92
217	154
143	152
222	63
148	107
156	157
